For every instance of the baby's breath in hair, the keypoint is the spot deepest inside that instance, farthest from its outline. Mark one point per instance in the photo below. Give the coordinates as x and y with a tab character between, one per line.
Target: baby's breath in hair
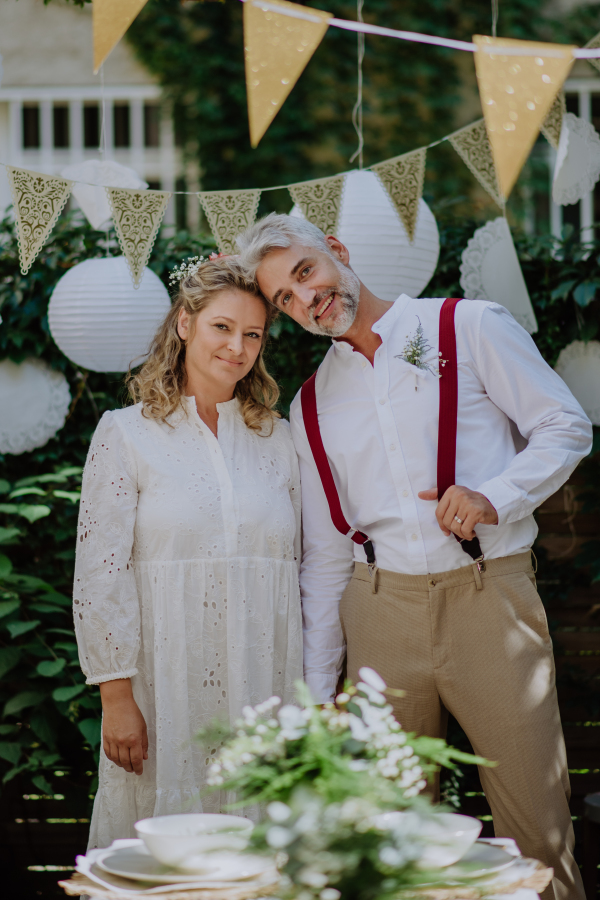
187	268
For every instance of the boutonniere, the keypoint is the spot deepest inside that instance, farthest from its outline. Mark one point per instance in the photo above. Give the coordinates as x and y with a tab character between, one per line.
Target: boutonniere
415	350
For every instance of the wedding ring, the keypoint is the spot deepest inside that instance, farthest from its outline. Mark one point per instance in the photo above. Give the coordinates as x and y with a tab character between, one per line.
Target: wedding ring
460	521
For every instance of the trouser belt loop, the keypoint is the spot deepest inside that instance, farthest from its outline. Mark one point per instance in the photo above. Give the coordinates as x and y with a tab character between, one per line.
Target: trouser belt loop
534	563
374	573
477	577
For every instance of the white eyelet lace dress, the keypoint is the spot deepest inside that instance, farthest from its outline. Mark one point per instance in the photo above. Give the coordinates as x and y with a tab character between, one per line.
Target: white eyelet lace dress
186	581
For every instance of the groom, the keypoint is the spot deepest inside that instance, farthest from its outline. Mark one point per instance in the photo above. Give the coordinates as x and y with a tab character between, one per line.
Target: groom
460	632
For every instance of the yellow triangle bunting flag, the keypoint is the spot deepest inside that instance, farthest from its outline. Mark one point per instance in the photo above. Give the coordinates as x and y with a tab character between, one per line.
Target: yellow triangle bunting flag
228	214
320	200
402	177
39	201
518	81
111	19
137	216
277	49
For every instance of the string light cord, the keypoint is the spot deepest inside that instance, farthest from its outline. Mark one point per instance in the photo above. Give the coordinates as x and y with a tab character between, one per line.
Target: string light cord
357	112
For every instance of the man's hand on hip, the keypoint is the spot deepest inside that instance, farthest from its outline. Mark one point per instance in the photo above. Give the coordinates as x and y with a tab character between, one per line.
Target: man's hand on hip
459	503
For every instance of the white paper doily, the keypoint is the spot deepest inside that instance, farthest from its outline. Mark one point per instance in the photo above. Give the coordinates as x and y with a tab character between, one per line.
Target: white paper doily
577	166
579	367
380	252
93	200
34	401
490	270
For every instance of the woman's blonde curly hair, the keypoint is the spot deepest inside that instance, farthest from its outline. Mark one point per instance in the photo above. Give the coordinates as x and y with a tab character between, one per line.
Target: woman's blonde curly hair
160	383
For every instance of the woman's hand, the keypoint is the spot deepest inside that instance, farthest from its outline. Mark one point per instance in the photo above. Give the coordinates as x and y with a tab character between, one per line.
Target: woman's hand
124	735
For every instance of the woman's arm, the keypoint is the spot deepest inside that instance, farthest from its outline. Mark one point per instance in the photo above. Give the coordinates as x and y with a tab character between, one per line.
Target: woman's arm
105	602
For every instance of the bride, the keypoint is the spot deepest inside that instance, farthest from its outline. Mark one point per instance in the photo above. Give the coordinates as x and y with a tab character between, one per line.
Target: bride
186	596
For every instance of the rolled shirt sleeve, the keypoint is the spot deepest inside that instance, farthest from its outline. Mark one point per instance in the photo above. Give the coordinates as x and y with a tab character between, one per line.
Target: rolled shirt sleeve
105	602
519	381
327	565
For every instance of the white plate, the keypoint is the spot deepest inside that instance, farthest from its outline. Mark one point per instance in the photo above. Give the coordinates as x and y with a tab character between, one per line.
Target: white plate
481	859
137	864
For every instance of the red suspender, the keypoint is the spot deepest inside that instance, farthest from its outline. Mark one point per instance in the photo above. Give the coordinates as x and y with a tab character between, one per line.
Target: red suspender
308	398
446	461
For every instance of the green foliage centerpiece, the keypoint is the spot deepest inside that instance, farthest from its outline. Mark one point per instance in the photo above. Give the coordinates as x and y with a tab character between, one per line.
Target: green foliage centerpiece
341	788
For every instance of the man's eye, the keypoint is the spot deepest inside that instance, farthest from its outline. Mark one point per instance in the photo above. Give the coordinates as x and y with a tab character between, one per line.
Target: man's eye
305	271
286	299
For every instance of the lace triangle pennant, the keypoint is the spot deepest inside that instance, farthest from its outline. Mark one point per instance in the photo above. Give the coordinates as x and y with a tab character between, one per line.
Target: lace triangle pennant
277	48
228	214
320	201
518	82
39	200
403	177
137	216
552	124
473	146
593	44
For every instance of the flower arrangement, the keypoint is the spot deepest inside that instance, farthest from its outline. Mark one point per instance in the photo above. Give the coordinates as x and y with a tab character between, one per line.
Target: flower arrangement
273	752
342	791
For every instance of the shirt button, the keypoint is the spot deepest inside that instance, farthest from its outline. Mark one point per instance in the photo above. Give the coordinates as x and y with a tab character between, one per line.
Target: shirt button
363	363
392	446
415	537
405	493
382	401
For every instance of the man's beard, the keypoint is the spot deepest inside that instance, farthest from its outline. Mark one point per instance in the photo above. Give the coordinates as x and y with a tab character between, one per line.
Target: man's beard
347	291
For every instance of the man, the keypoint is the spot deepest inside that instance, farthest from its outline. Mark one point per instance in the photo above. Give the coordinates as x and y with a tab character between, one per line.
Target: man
458	636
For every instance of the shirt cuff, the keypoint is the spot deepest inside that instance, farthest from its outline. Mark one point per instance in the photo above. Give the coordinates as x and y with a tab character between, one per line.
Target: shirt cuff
322	687
111	676
509	503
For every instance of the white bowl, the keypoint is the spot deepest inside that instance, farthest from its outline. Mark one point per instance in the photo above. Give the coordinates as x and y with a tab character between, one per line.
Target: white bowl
446	837
180	840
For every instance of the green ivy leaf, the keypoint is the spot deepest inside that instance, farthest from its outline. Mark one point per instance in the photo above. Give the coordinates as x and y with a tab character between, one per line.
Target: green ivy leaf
33	513
18	628
563	290
4	486
8	606
46	608
8	535
9	657
91	730
5	566
63	694
22	492
42	785
22	701
8	729
50	667
43	728
585	292
73	496
11	752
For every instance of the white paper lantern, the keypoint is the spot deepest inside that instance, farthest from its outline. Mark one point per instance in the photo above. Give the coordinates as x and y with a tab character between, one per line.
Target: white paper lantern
380	252
34	401
100	321
579	367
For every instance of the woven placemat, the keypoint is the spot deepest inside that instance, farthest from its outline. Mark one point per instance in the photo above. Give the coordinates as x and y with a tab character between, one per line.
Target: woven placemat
80	884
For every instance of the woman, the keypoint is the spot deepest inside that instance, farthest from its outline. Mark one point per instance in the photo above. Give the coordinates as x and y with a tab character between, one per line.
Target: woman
186	592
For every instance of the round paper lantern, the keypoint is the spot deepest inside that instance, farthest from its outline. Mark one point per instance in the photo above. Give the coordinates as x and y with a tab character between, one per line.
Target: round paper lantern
100	321
579	366
381	253
34	401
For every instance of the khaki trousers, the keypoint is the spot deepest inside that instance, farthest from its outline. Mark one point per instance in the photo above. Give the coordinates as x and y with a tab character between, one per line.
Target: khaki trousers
477	646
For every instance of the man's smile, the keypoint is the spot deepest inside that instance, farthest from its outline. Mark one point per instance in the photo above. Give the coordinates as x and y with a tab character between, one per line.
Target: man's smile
324	305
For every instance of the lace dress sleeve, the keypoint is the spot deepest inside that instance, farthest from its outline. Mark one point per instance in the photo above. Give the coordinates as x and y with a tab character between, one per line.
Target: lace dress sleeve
105	602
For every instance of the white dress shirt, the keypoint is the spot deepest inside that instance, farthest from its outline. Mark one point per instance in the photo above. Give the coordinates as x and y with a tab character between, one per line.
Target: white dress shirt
380	435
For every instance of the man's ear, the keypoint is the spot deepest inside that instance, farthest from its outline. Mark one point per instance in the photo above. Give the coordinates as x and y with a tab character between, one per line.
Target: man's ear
338	249
183	324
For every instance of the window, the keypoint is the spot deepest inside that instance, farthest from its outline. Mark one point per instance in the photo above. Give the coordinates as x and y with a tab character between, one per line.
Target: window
151	125
31	126
180	205
154	185
60	116
91	125
572	103
121	124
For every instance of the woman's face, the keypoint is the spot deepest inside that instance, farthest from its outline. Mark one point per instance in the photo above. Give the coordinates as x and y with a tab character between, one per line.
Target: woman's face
224	339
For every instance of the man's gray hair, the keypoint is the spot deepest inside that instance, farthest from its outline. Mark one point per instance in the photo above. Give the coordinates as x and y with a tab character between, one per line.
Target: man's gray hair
276	232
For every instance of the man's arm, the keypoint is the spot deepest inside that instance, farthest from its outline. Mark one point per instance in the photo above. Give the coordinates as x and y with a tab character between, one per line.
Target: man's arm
327	564
519	381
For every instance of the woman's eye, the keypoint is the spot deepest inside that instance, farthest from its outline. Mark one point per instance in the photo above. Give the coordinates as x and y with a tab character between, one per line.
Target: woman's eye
221	325
253	334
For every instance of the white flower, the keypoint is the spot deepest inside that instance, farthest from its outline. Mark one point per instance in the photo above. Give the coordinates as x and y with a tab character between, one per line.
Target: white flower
371	677
267	705
278	811
292	717
312	878
279	837
342	698
390	856
359	730
374	696
359	765
329	894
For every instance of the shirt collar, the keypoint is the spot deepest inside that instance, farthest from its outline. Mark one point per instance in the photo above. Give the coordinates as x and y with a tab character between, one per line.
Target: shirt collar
382	326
